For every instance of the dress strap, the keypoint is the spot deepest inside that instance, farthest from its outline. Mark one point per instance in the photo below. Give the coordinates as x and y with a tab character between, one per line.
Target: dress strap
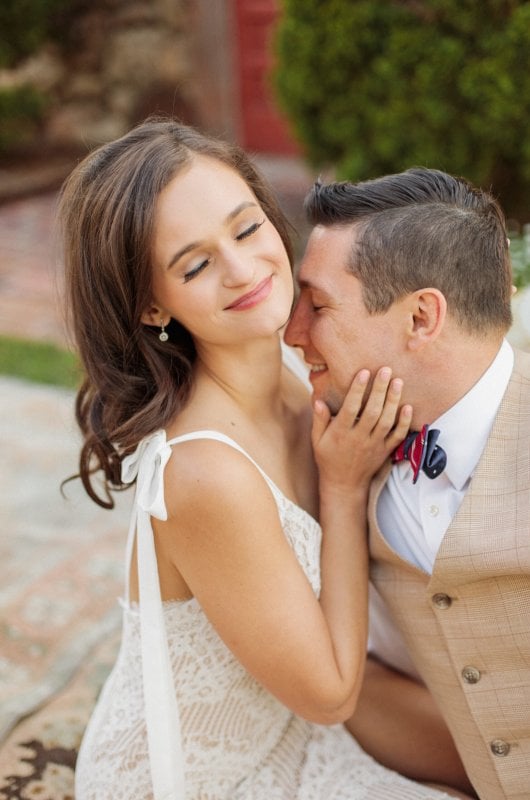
166	757
221	437
146	465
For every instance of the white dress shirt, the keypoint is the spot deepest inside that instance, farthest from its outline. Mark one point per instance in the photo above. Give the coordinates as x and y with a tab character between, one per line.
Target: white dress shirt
414	517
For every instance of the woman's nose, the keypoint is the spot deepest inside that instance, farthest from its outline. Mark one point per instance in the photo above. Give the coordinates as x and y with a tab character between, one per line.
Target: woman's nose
239	269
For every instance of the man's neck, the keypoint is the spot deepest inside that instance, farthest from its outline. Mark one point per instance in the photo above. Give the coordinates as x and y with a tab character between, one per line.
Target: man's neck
449	374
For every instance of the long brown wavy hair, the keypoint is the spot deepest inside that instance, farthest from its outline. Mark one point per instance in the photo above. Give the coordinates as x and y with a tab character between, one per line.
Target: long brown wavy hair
134	384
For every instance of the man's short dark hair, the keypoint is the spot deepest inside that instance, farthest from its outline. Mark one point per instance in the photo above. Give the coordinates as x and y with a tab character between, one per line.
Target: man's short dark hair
424	228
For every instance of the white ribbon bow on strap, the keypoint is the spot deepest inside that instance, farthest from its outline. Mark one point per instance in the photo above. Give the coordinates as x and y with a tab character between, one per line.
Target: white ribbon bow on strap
147	465
166	758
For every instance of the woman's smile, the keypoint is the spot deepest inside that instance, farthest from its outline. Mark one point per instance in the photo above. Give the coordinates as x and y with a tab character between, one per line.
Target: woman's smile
215	252
254	297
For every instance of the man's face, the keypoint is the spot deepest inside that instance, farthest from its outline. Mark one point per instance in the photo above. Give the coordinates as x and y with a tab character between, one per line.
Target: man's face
330	322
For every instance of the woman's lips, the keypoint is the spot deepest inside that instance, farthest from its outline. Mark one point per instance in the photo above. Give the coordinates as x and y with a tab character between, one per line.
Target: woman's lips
252	298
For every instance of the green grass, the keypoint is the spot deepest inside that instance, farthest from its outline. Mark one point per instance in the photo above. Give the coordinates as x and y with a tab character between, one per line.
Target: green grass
38	361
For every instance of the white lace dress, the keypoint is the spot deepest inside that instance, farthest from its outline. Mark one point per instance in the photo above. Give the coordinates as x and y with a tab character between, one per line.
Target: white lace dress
180	719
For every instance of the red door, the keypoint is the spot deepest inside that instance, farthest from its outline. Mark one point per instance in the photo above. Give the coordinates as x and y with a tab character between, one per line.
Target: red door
264	128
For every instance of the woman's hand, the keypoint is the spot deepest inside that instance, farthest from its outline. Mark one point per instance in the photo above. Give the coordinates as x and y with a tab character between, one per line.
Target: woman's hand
350	447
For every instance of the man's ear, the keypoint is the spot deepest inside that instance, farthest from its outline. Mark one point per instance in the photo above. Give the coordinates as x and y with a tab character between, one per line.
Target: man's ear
155	316
428	310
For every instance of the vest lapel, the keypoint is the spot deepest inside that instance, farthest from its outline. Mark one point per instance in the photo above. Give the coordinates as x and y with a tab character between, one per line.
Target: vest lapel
486	529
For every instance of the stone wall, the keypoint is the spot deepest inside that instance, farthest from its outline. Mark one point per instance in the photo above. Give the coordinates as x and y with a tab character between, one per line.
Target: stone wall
121	60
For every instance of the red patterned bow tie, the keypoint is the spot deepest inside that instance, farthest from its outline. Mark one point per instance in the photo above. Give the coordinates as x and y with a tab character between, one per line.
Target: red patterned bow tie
420	448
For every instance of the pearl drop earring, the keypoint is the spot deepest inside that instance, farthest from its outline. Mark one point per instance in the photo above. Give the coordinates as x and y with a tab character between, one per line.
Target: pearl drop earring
163	336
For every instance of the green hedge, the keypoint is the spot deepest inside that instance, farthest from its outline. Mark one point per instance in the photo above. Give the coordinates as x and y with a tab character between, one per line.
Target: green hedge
21	109
376	86
26	24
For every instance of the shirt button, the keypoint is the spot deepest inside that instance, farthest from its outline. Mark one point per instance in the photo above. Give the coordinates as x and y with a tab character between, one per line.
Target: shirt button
441	600
434	511
471	674
499	747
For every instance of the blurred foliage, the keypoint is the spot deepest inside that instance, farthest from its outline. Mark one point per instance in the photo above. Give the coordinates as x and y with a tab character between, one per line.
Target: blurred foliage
38	361
21	109
374	87
26	24
520	254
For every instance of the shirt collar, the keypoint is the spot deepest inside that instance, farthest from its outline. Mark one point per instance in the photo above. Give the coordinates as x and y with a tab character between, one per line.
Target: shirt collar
465	427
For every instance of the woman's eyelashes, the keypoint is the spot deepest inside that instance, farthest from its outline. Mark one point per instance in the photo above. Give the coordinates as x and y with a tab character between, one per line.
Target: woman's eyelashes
198	268
250	230
191	273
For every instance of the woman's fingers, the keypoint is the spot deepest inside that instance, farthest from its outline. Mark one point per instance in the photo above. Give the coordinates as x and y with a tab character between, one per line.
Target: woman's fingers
321	417
380	407
381	404
352	445
350	409
402	427
348	413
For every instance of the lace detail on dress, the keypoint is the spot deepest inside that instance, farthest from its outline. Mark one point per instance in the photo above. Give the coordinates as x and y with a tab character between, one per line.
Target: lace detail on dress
304	535
238	741
231	727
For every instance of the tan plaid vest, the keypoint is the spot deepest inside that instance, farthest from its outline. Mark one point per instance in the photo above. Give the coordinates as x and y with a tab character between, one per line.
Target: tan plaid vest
468	626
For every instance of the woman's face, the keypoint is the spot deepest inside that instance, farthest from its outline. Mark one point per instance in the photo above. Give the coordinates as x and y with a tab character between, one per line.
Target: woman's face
219	264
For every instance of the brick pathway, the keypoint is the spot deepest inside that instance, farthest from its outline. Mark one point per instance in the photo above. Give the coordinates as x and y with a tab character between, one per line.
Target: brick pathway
30	270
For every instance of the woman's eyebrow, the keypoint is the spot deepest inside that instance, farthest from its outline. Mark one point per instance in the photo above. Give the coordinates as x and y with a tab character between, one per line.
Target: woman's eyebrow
192	245
238	209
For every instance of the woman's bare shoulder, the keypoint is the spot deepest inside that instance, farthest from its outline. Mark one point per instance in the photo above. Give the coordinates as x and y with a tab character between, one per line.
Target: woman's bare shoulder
207	474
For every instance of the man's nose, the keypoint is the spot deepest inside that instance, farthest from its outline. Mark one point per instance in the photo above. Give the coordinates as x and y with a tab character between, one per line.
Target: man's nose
296	332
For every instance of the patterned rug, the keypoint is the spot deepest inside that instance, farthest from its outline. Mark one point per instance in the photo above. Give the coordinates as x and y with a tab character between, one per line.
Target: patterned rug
37	759
62	560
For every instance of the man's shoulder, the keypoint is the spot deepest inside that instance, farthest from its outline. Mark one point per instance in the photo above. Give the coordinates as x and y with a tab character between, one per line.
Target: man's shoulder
521	363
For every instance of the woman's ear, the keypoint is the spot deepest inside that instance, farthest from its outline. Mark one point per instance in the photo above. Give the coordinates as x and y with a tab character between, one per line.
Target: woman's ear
428	314
155	316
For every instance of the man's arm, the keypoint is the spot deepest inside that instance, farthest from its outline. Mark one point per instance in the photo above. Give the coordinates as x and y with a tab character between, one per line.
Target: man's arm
398	723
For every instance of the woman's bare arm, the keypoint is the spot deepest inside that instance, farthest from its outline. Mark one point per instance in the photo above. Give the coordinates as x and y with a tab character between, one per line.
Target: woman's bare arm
224	537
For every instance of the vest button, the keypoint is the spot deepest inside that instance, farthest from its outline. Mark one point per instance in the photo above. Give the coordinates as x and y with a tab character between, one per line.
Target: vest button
499	747
441	600
471	674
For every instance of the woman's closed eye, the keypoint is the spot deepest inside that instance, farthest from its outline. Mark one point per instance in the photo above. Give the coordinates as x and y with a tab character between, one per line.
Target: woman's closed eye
195	270
250	230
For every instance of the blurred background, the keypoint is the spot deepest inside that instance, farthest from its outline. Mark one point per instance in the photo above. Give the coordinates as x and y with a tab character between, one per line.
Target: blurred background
345	88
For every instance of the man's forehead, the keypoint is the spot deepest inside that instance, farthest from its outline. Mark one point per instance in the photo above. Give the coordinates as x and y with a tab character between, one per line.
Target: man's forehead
337	235
327	255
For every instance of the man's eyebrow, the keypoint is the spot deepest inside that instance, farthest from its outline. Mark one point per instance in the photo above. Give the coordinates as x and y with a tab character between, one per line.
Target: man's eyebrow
192	245
305	283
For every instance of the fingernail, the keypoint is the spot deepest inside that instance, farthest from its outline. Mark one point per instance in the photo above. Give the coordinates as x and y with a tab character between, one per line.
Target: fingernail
396	385
363	376
385	373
